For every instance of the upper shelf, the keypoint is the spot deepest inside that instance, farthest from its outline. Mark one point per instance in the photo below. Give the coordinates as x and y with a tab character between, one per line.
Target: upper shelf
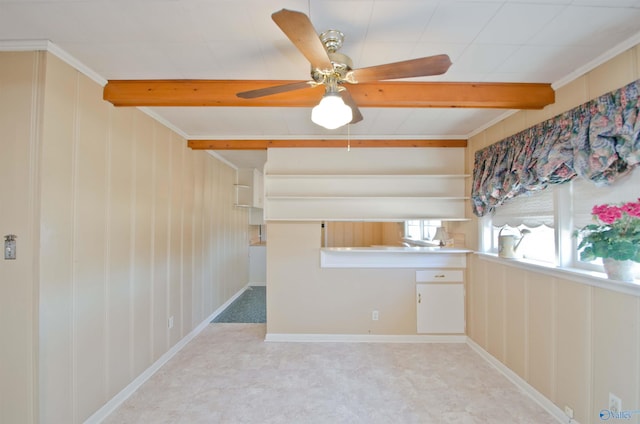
366	184
426	176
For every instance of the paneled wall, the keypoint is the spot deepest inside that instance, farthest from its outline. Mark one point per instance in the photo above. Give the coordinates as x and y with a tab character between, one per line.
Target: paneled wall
363	234
572	342
20	75
135	228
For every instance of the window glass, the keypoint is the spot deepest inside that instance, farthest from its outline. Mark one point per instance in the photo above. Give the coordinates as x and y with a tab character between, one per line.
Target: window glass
421	229
553	214
534	243
531	214
586	195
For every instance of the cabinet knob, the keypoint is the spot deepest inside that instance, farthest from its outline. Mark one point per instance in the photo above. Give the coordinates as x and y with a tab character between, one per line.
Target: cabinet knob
438	276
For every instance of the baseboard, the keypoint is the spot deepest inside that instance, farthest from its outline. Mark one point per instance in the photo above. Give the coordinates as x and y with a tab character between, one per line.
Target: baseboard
365	338
124	394
529	390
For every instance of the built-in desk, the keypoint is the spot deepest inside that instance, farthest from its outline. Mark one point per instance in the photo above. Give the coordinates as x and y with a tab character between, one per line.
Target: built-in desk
393	257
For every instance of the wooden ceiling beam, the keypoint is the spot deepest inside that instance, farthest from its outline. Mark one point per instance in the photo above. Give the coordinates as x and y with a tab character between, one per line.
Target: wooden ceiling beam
378	94
267	144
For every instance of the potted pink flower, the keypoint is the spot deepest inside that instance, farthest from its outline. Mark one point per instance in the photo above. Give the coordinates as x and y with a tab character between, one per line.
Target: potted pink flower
614	236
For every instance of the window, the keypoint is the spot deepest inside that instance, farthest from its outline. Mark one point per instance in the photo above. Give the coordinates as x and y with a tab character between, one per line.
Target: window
552	215
421	229
585	195
532	214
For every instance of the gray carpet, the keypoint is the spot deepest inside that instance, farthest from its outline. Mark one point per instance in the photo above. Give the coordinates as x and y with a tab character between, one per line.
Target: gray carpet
249	307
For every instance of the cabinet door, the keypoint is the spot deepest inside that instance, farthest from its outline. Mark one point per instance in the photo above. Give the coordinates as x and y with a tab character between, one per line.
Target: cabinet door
440	308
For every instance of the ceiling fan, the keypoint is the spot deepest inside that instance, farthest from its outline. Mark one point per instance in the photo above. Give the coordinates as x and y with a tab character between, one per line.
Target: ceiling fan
332	70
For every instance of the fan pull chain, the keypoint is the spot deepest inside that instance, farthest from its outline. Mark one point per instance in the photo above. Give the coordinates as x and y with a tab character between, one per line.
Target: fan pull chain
348	137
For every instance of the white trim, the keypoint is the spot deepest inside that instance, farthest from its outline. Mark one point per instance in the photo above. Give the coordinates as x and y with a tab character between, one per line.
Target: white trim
608	55
75	63
493	122
54	49
163	121
221	159
364	338
392	257
589	278
529	390
23	45
124	394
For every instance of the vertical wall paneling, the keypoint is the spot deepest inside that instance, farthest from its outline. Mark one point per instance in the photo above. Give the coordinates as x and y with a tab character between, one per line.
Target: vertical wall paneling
541	334
186	257
496	314
131	228
56	342
142	244
161	208
360	233
615	349
209	242
21	81
119	277
581	343
89	246
573	373
198	241
176	246
515	321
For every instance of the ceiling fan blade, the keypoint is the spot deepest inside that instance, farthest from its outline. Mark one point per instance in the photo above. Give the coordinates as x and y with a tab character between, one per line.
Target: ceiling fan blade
426	66
261	92
300	30
348	100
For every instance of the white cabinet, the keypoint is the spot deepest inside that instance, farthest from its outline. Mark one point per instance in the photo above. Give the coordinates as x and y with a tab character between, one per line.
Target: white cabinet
249	188
440	302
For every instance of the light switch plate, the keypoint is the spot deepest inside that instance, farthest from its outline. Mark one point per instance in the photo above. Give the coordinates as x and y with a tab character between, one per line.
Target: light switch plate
10	246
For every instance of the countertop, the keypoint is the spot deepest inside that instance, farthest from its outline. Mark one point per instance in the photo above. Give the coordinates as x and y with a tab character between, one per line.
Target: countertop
393	257
397	249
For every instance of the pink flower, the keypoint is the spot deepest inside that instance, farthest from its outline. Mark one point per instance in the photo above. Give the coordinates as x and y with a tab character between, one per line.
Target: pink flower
607	214
632	208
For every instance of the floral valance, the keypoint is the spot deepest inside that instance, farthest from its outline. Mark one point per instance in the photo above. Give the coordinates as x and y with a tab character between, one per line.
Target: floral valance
598	140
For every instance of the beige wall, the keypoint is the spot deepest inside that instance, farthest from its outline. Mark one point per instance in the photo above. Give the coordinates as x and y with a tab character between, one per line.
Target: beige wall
133	228
20	75
304	298
572	342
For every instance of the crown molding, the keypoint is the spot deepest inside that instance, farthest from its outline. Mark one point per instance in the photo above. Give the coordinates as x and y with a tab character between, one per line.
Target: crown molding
54	49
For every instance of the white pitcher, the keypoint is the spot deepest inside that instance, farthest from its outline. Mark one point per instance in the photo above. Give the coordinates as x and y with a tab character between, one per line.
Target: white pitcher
508	243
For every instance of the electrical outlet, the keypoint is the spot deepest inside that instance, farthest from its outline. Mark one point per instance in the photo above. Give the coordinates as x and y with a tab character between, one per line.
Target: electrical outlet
615	403
170	322
375	315
568	411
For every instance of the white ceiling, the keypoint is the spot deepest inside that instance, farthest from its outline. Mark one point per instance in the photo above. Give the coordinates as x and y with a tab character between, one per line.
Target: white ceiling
501	40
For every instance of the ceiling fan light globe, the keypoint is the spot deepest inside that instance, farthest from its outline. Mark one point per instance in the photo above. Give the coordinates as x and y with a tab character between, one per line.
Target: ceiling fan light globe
331	112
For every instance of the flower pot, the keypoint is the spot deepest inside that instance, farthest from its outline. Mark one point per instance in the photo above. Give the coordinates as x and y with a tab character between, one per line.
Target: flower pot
619	270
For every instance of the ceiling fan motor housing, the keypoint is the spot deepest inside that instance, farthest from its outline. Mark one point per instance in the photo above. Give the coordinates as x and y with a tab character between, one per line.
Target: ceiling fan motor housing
332	40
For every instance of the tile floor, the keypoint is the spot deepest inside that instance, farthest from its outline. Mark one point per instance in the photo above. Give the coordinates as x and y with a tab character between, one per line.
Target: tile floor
228	374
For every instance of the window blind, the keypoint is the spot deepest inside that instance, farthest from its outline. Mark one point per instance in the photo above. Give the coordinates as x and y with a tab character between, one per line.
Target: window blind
532	210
